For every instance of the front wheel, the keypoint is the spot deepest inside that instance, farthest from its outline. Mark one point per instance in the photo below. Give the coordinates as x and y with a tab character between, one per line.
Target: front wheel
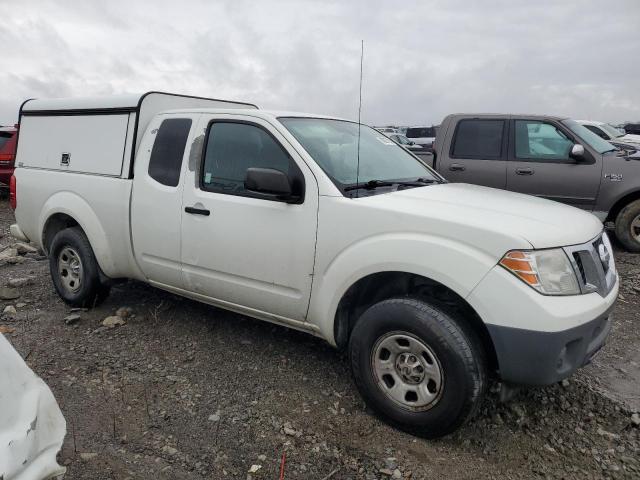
628	226
416	367
74	269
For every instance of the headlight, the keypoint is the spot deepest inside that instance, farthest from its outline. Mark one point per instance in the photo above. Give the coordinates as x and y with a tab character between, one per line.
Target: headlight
548	271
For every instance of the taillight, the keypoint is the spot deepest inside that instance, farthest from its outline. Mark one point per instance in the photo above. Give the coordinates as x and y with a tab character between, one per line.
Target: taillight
6	158
12	192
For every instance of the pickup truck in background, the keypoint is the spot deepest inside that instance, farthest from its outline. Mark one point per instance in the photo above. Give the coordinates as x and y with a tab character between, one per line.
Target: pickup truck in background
550	157
274	215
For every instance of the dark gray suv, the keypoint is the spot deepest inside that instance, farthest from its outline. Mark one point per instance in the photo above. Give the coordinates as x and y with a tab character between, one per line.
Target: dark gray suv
551	157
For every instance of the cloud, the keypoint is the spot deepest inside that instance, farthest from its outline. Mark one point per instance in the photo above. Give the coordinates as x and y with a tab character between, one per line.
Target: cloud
422	60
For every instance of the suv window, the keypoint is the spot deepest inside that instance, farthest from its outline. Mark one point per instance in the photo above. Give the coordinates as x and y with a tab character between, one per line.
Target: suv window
232	148
478	138
540	141
168	149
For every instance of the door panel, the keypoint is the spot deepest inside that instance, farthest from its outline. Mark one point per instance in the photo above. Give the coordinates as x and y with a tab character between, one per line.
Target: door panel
540	165
476	153
248	251
156	207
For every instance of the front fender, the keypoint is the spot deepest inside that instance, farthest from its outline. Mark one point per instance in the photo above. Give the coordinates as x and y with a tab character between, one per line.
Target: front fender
454	264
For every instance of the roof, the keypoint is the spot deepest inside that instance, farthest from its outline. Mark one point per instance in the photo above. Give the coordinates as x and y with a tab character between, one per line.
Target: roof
127	101
510	115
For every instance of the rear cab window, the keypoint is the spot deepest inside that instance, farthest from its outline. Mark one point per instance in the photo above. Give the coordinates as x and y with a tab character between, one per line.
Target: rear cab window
165	163
476	138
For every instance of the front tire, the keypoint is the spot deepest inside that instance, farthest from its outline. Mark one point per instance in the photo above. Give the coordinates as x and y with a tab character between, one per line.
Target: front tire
416	367
628	226
74	269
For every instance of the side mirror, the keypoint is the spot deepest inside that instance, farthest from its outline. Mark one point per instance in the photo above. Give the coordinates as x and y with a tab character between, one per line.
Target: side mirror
577	152
269	183
412	143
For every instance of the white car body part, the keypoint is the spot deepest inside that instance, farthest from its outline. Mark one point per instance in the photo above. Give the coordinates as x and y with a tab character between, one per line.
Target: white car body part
32	427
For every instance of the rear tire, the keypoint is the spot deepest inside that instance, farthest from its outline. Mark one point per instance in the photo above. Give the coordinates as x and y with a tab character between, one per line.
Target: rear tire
74	269
416	367
628	226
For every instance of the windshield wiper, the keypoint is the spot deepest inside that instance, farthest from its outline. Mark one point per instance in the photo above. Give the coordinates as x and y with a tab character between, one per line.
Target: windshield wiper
373	184
370	185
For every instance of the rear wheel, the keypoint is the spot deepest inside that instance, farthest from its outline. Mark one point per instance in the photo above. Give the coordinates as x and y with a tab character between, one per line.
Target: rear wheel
74	269
628	226
416	367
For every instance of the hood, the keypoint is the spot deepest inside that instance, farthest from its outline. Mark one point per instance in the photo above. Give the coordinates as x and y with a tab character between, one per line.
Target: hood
485	212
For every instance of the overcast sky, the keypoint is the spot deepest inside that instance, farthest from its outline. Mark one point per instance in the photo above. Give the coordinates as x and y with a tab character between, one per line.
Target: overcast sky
422	59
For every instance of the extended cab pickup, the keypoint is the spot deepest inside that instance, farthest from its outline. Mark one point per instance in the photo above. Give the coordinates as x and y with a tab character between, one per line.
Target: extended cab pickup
552	157
322	225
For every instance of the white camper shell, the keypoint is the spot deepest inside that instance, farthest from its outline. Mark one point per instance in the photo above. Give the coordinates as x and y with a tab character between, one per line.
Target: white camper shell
96	135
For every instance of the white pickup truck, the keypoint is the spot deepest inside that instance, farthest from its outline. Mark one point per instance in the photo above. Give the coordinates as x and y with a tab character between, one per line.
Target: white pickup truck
321	225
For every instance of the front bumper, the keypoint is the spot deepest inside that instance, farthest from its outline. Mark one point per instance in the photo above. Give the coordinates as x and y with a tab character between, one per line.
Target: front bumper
530	357
540	339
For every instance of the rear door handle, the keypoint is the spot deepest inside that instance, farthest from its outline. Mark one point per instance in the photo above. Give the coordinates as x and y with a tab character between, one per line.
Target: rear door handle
524	171
197	211
456	167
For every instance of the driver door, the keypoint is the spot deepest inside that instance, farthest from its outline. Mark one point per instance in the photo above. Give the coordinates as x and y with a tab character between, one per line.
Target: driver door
539	164
241	251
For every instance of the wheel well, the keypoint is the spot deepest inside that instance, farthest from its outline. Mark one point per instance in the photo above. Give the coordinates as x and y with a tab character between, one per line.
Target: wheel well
381	286
620	204
53	225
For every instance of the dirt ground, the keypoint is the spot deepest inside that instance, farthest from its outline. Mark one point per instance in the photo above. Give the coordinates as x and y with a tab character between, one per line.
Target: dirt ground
184	390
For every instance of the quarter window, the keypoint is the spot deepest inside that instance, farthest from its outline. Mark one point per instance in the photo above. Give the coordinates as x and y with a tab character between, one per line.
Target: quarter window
232	148
540	141
168	149
478	138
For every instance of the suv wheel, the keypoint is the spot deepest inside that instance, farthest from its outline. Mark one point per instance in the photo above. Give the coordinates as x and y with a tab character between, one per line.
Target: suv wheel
74	269
628	226
416	367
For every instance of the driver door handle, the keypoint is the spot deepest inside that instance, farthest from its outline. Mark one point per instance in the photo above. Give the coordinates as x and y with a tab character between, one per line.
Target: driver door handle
197	211
524	171
456	167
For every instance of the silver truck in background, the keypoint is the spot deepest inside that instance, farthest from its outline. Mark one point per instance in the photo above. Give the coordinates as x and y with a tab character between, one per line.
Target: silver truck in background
546	156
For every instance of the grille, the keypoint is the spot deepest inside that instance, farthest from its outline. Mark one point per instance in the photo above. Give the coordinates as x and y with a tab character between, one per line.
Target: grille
595	272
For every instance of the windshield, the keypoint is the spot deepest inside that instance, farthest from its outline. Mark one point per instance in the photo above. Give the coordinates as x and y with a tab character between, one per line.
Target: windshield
611	131
590	138
421	132
333	144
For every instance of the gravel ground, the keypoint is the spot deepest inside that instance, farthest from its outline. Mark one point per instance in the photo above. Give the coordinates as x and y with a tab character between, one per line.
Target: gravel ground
184	390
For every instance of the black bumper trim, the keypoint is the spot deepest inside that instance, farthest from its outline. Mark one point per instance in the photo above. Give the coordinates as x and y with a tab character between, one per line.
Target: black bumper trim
530	357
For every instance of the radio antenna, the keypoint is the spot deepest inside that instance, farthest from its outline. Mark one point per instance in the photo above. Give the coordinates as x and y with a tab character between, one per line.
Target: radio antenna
359	112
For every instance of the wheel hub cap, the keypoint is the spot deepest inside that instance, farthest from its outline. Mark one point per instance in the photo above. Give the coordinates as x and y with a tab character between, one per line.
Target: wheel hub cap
410	368
407	370
70	269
